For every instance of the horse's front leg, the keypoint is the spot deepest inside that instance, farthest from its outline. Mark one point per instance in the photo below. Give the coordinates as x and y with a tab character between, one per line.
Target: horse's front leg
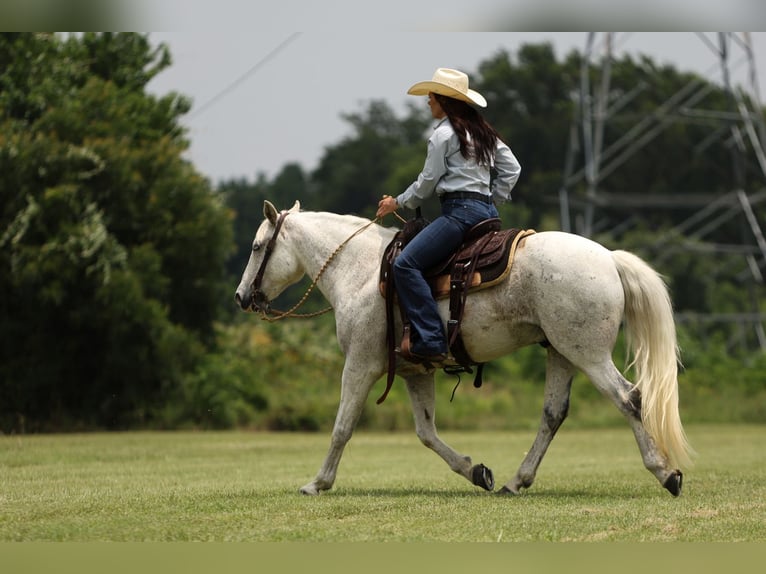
355	387
421	391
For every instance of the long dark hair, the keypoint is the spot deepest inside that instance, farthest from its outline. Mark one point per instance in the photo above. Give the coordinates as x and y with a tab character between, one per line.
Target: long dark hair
467	120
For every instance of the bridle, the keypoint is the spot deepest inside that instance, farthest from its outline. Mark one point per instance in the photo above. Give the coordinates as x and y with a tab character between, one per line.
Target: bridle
258	299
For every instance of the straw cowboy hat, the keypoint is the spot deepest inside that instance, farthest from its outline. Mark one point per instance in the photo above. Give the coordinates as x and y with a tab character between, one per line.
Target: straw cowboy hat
451	83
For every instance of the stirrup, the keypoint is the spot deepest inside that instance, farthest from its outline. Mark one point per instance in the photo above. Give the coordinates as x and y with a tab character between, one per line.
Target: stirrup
439	361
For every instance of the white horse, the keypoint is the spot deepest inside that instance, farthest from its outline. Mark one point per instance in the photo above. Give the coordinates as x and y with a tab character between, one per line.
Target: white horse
563	290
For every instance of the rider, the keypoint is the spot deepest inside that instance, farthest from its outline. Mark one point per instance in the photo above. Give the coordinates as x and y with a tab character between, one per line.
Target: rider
461	151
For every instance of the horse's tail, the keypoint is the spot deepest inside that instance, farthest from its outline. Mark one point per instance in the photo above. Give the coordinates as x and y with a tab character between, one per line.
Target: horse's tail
652	344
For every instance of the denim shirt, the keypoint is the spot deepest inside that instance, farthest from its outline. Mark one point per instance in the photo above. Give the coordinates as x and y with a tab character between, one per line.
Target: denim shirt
446	170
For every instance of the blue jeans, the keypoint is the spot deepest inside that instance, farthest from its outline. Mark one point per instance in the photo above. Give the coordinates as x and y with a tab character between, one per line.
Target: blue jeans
433	245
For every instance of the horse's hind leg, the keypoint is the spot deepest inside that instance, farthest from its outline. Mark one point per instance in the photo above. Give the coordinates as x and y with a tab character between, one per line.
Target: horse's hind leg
421	391
611	383
558	384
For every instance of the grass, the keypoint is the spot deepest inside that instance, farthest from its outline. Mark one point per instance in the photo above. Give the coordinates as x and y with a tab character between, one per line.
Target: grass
240	486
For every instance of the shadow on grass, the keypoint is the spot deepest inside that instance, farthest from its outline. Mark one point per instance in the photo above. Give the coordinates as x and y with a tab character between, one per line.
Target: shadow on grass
539	495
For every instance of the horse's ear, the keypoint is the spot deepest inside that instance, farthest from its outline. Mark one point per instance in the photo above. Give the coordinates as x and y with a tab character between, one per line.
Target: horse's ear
296	207
270	212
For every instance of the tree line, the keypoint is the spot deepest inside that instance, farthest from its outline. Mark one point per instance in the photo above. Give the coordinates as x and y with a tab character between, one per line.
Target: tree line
118	259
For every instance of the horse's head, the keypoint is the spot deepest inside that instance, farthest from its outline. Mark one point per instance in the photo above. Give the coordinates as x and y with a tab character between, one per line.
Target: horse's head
272	266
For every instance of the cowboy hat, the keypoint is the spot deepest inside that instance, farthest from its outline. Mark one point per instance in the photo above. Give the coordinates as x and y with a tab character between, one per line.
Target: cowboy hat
451	83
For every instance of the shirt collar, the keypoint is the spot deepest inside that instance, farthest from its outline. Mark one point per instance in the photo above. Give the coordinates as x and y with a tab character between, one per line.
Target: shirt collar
441	121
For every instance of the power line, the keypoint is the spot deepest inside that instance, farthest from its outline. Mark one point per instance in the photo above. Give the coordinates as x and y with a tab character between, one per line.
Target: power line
220	95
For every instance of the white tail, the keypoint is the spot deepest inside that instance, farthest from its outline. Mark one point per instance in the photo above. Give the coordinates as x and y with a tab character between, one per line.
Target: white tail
651	337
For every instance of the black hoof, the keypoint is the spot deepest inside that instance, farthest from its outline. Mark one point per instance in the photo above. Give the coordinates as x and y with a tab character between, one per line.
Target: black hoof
482	476
674	482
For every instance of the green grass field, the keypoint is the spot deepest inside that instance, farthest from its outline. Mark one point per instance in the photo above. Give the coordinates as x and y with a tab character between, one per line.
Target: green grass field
240	486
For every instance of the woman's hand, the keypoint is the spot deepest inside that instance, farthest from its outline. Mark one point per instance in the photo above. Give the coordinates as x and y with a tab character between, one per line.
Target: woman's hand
386	205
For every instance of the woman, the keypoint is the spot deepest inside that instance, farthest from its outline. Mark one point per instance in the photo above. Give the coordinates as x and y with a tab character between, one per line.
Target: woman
461	151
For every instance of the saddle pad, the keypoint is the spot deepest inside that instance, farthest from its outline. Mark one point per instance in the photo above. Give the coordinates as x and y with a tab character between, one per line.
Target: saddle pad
493	265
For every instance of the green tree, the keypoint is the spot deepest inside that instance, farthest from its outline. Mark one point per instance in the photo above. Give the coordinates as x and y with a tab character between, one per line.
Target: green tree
113	249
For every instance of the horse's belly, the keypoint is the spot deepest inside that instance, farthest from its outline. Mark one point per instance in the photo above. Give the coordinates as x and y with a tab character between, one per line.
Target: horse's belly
495	324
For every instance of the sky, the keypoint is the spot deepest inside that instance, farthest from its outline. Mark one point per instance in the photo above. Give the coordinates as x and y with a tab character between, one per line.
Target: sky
265	99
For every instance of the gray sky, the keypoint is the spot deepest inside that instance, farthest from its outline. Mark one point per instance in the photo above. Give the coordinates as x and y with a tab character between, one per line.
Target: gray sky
262	100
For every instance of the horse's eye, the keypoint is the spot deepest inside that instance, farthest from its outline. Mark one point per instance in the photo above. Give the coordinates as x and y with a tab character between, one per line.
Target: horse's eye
256	246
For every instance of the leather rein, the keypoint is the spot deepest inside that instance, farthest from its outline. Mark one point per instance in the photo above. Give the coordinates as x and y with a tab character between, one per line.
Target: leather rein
259	301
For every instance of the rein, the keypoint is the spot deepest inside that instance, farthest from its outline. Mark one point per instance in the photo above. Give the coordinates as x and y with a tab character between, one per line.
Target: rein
258	296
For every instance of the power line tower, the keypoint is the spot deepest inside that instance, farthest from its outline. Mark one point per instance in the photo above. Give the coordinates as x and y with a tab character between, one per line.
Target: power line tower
588	205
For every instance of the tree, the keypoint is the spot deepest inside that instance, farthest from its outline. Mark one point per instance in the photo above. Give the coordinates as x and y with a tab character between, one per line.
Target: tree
354	175
111	262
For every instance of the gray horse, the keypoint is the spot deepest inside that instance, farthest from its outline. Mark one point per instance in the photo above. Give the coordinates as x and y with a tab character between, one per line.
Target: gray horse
563	289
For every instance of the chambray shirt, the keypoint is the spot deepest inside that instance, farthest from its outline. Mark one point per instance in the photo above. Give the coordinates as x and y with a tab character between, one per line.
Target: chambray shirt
446	170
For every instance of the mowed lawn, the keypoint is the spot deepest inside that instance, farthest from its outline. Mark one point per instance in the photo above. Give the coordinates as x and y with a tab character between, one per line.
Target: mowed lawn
243	486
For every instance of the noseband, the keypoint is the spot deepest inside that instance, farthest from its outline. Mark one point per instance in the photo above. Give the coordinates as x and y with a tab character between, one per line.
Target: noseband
259	299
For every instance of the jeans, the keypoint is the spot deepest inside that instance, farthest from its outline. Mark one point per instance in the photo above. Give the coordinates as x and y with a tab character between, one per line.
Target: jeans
437	242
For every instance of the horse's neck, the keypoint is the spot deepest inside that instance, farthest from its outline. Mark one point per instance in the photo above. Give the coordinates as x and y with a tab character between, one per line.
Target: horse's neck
355	254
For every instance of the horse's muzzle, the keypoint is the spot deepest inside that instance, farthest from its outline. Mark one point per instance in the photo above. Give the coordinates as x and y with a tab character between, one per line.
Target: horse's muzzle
253	301
244	302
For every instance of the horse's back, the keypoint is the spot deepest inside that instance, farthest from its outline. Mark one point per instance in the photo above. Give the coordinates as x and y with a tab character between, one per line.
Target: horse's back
570	243
558	257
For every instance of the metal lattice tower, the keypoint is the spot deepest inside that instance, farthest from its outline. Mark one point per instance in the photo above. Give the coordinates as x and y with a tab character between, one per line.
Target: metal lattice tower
591	158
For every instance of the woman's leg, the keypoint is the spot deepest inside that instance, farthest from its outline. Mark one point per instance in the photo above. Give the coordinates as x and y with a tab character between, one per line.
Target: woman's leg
433	245
429	248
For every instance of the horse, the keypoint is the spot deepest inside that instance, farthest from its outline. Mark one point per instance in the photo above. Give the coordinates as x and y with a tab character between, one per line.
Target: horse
564	291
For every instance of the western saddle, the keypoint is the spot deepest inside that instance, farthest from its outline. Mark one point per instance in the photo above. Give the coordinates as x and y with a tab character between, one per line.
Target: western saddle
483	260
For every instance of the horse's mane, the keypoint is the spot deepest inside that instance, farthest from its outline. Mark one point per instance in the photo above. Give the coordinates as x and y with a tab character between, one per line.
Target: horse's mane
348	217
353	221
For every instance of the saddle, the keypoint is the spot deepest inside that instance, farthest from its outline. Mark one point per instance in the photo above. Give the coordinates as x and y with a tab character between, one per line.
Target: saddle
482	261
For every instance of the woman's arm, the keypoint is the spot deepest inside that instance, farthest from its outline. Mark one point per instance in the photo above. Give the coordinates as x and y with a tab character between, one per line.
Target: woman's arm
508	171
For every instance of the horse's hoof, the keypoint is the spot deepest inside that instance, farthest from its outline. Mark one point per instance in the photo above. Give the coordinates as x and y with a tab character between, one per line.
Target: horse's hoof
673	483
482	476
505	491
309	490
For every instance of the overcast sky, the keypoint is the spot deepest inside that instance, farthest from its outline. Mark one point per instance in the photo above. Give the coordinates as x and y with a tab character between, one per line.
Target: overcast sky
263	100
